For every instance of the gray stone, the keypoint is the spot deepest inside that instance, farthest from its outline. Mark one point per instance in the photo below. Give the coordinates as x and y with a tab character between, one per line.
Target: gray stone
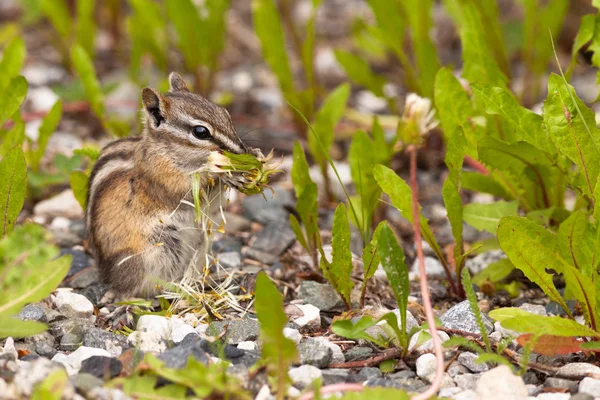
70	342
501	384
269	209
589	386
304	375
409	385
481	261
72	362
468	360
449	392
85	278
227	245
84	383
577	370
259	255
73	305
191	345
582	396
313	352
101	339
365	374
79	261
433	268
275	238
75	326
466	395
534	309
462	318
404	374
320	295
337	356
425	365
358	353
173	328
554	396
150	342
31	373
467	381
241	330
230	260
42	344
335	375
456	369
559	383
101	367
32	312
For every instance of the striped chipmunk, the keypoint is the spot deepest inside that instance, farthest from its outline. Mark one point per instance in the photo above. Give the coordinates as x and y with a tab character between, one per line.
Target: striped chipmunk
140	216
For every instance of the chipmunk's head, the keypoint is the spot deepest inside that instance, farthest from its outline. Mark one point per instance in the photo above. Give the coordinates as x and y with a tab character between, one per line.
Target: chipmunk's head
186	127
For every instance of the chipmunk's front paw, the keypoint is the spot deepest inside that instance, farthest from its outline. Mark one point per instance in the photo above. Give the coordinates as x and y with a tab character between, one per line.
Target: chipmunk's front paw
256	152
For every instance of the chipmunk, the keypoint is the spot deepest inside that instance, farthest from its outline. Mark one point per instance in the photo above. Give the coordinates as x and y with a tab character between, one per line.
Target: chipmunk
140	217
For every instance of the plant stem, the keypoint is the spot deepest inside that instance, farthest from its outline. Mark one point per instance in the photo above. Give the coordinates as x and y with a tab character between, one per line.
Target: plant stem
437	344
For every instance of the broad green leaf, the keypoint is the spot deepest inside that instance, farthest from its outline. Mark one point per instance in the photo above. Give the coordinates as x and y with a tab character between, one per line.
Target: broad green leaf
391	22
494	272
484	184
13	188
577	243
298	232
28	267
401	196
493	357
531	248
12	98
13	137
147	28
583	290
355	331
451	101
486	217
268	28
339	271
359	71
370	257
52	387
376	393
278	352
300	176
454	209
501	314
79	184
188	25
572	127
551	325
91	152
308	47
325	121
85	30
12	327
49	125
455	341
13	58
527	124
587	28
141	385
479	63
391	257
58	14
87	73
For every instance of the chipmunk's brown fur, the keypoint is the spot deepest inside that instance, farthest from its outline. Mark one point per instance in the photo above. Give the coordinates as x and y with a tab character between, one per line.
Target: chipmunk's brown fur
140	230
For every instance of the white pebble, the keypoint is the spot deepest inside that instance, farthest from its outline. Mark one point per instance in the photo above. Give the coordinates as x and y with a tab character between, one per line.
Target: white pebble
72	304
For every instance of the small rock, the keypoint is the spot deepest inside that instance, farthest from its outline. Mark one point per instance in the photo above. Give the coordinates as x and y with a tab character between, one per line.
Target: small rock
63	205
426	345
481	261
270	209
367	102
577	370
559	383
313	352
554	396
409	385
501	384
590	386
77	326
534	309
425	365
70	342
150	342
99	338
167	328
467	381
433	268
583	396
247	345
72	362
462	318
456	369
505	333
228	244
31	373
101	367
42	344
293	334
32	312
191	345
365	374
335	375
311	318
468	360
231	260
449	392
358	353
241	330
320	295
9	352
73	305
304	375
275	238
84	383
79	261
466	395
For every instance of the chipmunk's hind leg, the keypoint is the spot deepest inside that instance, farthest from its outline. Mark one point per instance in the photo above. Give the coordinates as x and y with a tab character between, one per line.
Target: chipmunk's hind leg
127	275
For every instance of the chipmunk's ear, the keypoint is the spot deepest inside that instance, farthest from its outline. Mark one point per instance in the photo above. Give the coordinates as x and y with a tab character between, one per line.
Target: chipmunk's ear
154	105
177	84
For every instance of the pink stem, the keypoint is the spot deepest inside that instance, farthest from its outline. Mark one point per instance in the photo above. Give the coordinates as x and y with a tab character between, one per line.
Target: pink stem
337	387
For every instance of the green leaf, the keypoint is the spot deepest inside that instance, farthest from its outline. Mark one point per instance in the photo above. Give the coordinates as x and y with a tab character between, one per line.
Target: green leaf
486	217
370	258
585	34
452	102
539	324
13	188
527	124
493	358
454	208
300	175
91	152
530	247
12	98
355	331
572	127
268	28
79	184
52	387
87	73
147	29
12	138
12	327
58	14
494	272
49	125
576	243
144	387
472	298
85	30
278	352
325	121
359	71
13	58
28	267
297	229
339	271
501	314
391	22
391	256
484	184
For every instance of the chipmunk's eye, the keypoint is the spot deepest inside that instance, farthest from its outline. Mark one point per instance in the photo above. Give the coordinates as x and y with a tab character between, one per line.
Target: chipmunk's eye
201	132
